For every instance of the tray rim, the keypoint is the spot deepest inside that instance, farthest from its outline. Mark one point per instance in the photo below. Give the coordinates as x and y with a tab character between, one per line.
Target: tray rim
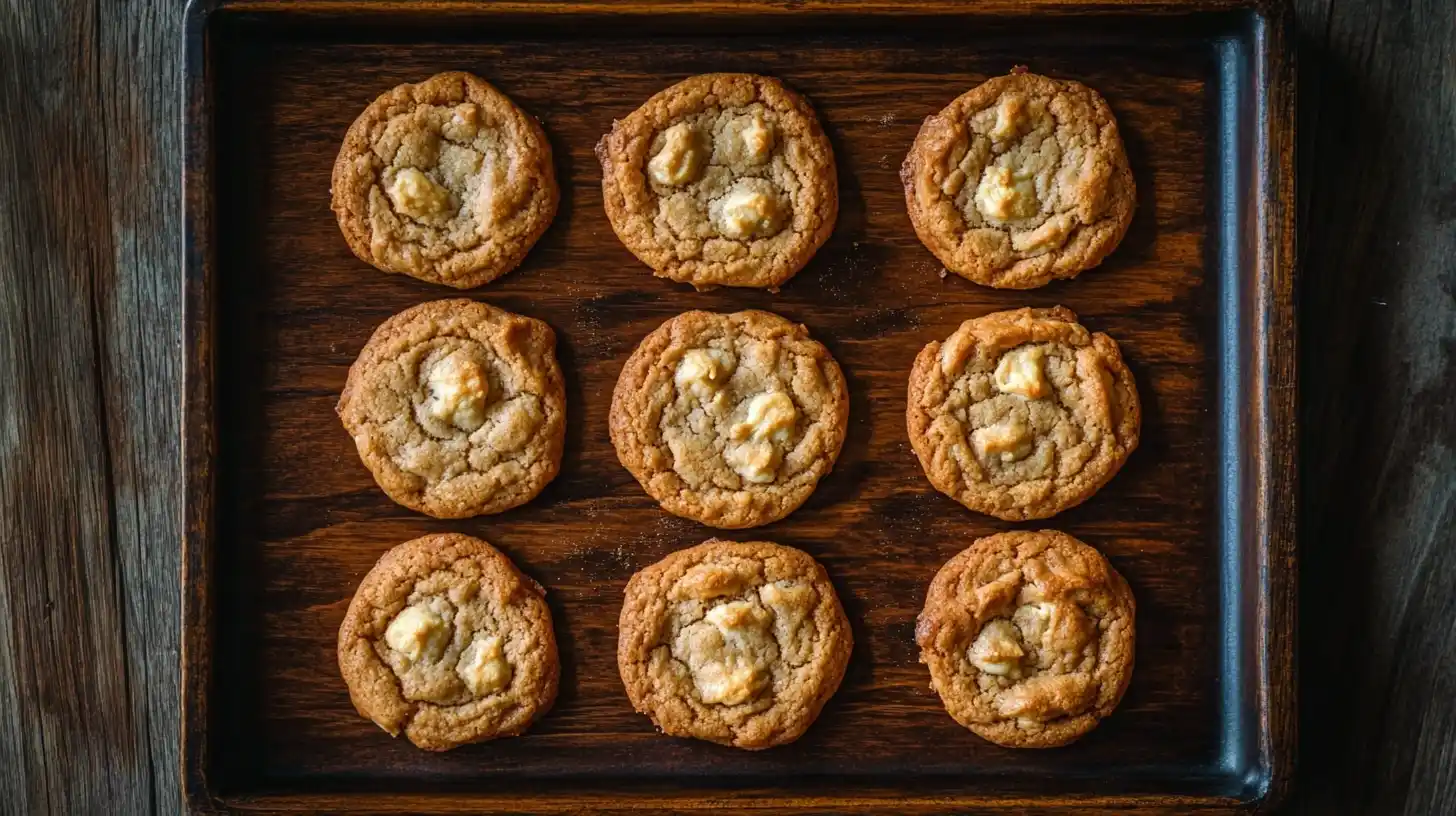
1273	425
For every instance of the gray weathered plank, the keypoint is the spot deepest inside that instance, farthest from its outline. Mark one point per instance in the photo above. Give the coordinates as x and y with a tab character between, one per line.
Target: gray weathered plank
1378	533
72	743
139	317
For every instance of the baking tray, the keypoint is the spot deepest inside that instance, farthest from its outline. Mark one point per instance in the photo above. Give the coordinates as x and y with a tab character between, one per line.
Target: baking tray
282	520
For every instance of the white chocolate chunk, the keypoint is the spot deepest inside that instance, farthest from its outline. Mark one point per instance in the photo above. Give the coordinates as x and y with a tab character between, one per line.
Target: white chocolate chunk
758	462
703	372
758	140
770	416
417	195
781	598
770	419
1003	196
418	633
681	158
458	389
997	649
483	667
732	668
1019	371
1009	440
749	213
1010	118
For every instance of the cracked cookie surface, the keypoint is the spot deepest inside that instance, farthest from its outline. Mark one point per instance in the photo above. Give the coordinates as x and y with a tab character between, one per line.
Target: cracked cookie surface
1022	414
1029	638
739	643
448	643
1021	181
458	408
721	180
729	419
444	180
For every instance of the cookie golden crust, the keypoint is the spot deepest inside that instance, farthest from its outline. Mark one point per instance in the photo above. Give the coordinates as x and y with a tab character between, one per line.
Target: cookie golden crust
447	642
1028	637
1021	181
721	180
1022	414
729	419
458	408
444	180
736	643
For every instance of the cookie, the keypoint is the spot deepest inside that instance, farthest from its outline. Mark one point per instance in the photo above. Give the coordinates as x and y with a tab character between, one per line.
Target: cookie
447	642
736	643
1029	638
458	408
444	180
1020	181
721	180
1022	414
729	419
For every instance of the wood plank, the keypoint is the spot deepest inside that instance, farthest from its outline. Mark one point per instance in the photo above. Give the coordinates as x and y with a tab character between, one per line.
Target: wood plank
1378	199
68	701
140	321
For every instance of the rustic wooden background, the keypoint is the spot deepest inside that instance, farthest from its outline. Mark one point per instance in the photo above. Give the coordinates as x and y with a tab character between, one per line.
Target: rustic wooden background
89	351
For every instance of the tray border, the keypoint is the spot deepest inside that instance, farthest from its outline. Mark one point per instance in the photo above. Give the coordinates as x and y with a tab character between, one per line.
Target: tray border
1272	384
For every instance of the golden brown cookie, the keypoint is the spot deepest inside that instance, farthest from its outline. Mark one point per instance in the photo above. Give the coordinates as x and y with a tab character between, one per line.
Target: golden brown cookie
729	419
721	180
458	408
1020	181
736	643
448	642
444	180
1029	638
1022	414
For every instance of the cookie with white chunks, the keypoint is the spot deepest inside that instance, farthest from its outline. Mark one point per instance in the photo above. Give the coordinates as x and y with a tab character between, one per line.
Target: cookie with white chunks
721	180
729	419
448	643
1029	638
1022	414
1021	181
735	643
458	408
444	180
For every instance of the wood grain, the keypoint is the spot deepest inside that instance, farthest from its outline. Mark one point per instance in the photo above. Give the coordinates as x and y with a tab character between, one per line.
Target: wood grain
1377	316
1377	110
87	663
299	520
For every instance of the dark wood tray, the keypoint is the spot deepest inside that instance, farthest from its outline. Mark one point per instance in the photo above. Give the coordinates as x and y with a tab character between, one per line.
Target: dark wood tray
282	520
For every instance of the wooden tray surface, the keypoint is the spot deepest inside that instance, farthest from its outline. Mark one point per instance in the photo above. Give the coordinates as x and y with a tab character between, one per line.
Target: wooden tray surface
283	520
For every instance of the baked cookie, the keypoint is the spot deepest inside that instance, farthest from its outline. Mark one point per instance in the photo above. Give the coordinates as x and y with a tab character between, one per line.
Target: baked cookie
1022	414
458	408
444	180
1029	638
1020	181
729	419
736	643
721	180
448	642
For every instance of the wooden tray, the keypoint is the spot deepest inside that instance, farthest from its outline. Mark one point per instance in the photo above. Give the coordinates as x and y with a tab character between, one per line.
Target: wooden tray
282	520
